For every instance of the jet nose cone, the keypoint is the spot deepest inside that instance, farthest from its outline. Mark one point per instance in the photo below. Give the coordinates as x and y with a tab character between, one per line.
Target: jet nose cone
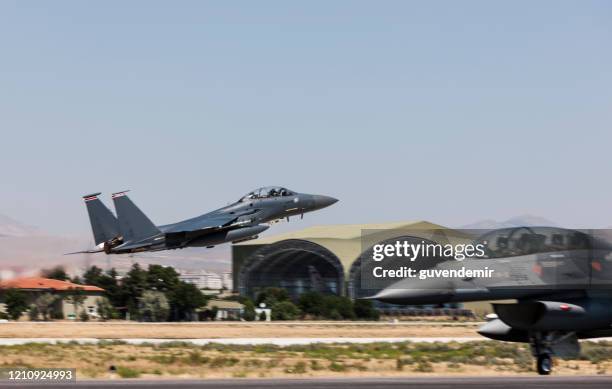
321	201
412	296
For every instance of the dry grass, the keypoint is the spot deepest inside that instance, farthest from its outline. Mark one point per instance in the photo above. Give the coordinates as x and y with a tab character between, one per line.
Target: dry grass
180	360
126	330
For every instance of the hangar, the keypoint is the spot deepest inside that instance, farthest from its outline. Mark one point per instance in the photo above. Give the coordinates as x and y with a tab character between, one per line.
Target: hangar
323	258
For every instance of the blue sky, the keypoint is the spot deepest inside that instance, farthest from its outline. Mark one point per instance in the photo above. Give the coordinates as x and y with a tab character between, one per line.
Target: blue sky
445	111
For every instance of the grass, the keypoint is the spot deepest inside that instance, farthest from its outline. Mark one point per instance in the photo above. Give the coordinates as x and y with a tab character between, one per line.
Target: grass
216	360
126	372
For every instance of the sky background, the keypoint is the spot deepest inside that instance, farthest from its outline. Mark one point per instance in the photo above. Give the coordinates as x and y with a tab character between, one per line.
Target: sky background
446	111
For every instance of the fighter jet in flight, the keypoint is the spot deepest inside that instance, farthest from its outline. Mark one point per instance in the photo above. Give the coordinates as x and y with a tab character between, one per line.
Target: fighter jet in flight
561	279
131	231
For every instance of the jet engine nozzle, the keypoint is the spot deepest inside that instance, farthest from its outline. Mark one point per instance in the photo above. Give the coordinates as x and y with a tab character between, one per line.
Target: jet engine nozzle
545	315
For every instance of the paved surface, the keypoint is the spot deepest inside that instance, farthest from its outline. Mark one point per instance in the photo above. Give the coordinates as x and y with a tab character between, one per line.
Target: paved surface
590	382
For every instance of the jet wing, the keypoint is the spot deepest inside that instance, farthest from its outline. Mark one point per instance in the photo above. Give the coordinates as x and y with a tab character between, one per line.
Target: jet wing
206	222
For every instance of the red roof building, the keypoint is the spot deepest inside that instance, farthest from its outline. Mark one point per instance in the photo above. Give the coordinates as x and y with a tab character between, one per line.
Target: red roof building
45	284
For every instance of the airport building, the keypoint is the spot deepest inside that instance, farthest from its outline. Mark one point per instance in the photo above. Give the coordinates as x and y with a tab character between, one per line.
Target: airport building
323	258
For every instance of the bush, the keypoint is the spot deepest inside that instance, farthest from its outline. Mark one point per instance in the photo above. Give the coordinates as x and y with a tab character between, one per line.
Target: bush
262	316
364	309
285	310
84	316
326	306
126	372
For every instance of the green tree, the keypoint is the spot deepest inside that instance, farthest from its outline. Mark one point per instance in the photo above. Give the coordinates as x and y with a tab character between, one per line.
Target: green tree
133	285
248	313
16	303
153	306
56	273
45	303
285	310
185	299
76	297
105	308
108	281
271	296
162	278
33	313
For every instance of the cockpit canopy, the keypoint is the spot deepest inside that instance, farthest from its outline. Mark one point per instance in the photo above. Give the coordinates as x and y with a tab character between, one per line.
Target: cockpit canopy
267	191
509	242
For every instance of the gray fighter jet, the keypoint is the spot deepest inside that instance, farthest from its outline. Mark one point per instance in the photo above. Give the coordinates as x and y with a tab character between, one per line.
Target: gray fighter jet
560	278
131	231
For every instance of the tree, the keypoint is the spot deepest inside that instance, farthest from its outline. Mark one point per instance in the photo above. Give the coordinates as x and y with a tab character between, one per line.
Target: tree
134	284
271	296
185	299
153	306
364	309
33	313
107	281
248	313
105	308
56	273
45	303
76	297
16	303
162	278
285	310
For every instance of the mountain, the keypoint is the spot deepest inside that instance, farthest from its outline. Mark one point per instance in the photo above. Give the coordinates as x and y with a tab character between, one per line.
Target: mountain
25	250
517	221
12	228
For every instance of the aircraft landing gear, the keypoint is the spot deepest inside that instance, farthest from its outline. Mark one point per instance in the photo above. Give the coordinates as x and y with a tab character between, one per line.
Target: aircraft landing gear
541	349
544	364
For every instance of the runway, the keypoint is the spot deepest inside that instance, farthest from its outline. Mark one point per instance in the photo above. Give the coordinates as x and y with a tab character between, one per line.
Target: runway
570	382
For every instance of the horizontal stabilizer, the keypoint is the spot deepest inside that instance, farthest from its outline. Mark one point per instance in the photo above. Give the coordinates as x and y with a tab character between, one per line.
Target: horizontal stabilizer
86	252
133	223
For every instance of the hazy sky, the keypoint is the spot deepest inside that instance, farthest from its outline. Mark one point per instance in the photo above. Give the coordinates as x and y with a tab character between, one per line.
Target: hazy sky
446	111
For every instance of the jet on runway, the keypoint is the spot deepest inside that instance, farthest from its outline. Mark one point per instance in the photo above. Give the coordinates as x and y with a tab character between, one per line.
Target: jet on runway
561	279
131	231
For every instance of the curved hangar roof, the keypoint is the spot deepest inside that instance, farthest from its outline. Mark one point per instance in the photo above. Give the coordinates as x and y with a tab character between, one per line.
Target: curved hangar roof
348	241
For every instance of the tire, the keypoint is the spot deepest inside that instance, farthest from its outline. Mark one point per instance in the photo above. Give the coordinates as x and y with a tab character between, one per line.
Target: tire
544	364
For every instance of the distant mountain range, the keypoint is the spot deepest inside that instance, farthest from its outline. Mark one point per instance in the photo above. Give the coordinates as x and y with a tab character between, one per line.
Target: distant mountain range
25	250
523	220
12	228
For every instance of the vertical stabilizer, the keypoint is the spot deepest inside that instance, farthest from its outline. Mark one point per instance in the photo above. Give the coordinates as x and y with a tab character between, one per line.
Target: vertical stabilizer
133	224
104	224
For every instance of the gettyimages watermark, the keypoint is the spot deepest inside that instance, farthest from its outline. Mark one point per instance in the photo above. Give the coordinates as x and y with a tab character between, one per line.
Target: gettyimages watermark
507	258
38	375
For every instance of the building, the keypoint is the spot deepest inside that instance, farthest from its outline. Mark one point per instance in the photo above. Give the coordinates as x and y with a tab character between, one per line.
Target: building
225	310
36	286
326	258
202	279
228	282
